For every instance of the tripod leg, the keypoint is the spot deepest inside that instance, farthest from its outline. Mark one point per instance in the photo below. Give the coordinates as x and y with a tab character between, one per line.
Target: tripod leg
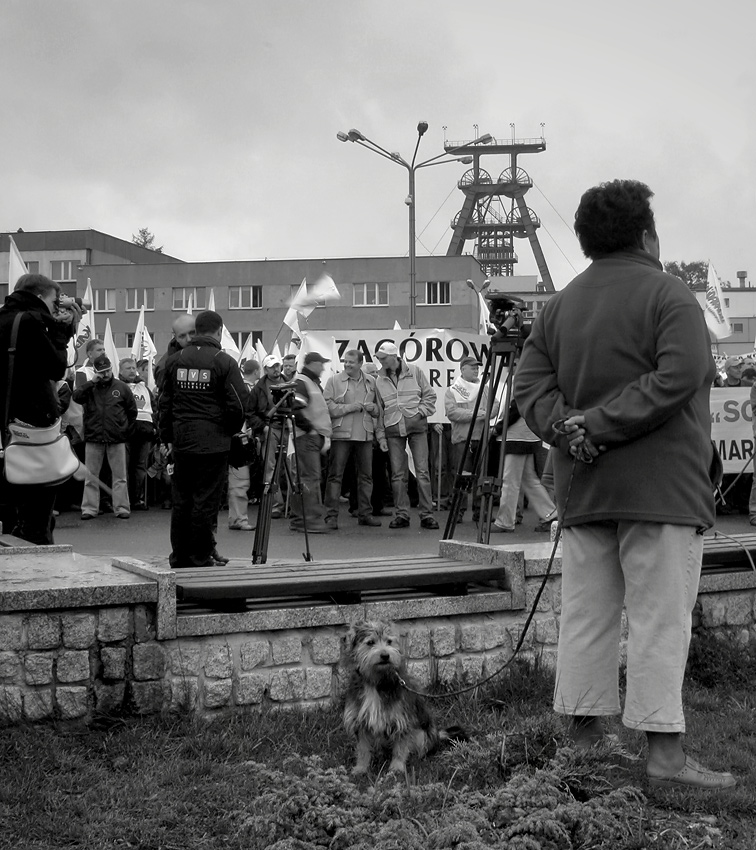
270	486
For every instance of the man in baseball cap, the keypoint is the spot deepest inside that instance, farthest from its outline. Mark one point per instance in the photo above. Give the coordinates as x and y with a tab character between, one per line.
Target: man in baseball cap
270	361
315	357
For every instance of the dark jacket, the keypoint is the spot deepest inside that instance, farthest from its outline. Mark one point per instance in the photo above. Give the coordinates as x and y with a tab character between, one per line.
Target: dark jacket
202	399
627	346
39	363
109	410
173	348
260	404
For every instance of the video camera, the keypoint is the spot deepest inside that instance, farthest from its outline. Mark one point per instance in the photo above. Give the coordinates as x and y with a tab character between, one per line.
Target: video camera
284	398
506	315
65	301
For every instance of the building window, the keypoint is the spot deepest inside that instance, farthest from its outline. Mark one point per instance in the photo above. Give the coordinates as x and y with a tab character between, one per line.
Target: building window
540	287
63	270
182	294
727	302
437	292
33	267
737	327
245	297
136	297
104	300
130	339
241	337
371	295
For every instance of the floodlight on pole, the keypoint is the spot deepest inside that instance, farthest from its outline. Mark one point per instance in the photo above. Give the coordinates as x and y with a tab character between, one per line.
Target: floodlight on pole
361	139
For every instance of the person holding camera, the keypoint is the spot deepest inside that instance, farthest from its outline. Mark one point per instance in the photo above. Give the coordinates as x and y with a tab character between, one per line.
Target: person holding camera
110	412
628	412
260	410
48	320
201	406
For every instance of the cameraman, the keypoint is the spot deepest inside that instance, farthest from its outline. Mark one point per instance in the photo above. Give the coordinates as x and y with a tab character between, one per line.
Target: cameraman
40	361
259	413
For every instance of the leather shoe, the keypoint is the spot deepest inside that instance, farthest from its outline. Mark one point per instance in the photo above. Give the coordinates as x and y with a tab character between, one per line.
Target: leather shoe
87	516
399	522
276	513
694	775
496	527
332	523
428	522
369	520
216	556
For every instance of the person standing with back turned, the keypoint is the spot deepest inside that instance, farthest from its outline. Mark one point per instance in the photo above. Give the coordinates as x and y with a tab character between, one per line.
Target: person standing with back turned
628	410
202	403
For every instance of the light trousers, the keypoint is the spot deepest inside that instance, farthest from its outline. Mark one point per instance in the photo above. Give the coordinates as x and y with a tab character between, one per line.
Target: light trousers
654	568
520	474
238	488
94	454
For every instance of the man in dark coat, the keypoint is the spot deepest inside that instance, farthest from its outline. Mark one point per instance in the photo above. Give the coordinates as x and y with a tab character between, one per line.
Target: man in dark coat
39	362
201	406
109	411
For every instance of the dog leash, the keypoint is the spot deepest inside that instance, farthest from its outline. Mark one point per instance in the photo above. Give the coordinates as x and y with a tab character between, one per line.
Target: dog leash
583	455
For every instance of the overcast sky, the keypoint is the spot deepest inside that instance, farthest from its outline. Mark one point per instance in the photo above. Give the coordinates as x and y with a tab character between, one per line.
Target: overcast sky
213	122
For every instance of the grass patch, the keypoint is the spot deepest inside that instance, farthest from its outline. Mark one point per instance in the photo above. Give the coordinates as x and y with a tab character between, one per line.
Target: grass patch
279	780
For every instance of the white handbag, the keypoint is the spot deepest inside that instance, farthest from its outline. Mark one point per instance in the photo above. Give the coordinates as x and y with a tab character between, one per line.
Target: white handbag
39	455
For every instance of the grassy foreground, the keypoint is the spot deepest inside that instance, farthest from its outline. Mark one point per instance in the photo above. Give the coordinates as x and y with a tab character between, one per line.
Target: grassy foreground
280	779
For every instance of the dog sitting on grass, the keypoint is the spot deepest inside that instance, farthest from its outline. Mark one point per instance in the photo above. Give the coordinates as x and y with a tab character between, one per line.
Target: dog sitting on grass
379	710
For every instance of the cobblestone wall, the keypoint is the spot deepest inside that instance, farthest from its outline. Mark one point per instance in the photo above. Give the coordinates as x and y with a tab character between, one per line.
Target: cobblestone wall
70	665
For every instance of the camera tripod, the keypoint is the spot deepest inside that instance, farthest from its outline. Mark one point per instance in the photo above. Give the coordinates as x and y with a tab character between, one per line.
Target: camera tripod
276	442
502	353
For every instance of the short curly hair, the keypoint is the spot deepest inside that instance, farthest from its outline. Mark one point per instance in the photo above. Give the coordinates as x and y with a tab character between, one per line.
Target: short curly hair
612	217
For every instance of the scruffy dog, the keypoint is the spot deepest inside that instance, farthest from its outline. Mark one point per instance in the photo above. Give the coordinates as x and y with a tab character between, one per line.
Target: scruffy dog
379	711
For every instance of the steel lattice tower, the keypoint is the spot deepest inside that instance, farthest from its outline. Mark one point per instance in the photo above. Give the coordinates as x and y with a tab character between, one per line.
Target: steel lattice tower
495	213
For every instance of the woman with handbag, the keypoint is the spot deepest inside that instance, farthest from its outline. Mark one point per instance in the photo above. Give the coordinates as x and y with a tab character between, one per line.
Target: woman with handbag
29	370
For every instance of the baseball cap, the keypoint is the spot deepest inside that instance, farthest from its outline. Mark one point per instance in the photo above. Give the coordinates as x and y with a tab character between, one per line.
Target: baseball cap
271	360
386	349
314	357
469	360
101	363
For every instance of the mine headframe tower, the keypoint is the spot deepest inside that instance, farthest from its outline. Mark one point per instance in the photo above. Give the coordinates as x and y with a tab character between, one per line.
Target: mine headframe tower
495	213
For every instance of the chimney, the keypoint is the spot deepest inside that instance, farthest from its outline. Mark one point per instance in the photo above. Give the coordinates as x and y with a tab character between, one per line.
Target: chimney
742	278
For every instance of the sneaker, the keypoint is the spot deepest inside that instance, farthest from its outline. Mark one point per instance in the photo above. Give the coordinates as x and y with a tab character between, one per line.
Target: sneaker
428	522
243	525
399	522
369	520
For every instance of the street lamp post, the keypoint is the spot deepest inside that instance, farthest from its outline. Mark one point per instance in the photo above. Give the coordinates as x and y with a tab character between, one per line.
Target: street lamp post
412	167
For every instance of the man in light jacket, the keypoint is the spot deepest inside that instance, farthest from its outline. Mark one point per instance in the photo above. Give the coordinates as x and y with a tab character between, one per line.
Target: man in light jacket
407	400
353	406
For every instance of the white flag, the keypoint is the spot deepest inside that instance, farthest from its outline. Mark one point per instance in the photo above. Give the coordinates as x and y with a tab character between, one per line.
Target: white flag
16	265
189	303
110	347
717	316
248	351
301	302
483	314
261	352
85	330
397	326
291	320
143	348
324	289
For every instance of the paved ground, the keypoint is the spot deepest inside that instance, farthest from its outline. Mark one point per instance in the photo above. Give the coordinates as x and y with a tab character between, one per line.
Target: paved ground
145	536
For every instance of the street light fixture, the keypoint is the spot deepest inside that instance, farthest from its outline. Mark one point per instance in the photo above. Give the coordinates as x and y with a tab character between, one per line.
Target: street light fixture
447	156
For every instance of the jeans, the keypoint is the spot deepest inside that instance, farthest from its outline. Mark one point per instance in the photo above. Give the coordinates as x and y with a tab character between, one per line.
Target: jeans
94	454
458	452
418	445
654	569
138	454
341	450
197	490
309	504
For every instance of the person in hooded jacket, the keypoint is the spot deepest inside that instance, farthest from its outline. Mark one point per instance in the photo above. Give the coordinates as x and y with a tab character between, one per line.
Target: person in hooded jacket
110	411
32	398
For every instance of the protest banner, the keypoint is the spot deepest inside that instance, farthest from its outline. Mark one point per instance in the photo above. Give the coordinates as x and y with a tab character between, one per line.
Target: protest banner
435	351
731	426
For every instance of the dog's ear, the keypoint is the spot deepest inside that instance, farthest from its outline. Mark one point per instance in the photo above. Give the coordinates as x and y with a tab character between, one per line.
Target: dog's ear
353	635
